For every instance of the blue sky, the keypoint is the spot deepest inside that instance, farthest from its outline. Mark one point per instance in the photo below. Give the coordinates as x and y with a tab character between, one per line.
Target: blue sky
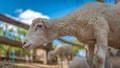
26	10
52	8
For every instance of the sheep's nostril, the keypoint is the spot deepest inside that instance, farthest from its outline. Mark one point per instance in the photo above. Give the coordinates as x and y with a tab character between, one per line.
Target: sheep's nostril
24	43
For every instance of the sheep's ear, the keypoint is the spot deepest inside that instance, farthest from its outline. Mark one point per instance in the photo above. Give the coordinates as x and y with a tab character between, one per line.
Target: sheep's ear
47	24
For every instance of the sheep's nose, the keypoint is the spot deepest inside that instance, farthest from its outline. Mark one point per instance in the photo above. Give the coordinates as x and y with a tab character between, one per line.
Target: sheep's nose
26	44
23	43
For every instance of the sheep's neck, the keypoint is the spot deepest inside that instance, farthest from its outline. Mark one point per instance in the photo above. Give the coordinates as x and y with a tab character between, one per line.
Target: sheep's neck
62	27
55	52
58	51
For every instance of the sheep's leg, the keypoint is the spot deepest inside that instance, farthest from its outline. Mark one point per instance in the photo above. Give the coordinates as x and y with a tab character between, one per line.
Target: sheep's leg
102	42
59	65
68	59
61	62
58	62
108	63
101	30
71	56
90	54
100	58
111	65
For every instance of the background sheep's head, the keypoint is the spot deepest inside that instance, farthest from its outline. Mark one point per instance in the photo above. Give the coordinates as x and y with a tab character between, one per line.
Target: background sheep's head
38	34
50	56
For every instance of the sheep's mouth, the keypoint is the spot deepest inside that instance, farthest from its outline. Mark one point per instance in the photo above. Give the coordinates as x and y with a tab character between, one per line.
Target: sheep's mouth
28	46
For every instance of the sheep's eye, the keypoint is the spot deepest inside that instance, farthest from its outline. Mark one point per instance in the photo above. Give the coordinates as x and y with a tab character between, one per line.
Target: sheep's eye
51	54
38	26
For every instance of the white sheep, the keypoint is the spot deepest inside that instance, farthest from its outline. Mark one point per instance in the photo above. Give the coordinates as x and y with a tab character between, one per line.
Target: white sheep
111	53
63	51
93	23
78	62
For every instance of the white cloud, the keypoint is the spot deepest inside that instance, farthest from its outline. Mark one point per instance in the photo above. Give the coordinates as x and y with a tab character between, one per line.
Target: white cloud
19	10
28	15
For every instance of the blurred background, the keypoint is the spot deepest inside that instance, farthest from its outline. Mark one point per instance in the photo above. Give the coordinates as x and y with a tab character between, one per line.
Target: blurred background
17	15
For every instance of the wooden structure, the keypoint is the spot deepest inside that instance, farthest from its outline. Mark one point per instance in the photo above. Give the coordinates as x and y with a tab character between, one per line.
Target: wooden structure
13	22
10	42
14	43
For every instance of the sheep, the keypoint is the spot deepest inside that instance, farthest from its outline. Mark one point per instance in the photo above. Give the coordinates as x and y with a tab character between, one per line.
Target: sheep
63	51
111	53
93	23
78	62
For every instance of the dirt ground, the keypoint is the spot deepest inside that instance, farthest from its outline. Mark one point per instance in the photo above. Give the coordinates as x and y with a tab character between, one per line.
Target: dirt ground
35	65
115	63
26	65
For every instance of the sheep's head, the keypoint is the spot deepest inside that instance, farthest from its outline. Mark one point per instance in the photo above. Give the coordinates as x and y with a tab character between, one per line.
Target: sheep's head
112	51
50	55
38	34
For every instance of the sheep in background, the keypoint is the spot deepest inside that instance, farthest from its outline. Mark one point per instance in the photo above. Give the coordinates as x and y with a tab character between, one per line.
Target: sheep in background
63	51
78	62
111	53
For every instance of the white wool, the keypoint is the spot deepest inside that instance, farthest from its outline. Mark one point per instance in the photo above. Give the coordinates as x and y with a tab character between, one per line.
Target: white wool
62	50
78	62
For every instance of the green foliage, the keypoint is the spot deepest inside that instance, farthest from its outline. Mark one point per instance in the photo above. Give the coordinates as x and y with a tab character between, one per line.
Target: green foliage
77	42
54	46
5	48
75	50
1	31
17	38
16	33
11	30
21	31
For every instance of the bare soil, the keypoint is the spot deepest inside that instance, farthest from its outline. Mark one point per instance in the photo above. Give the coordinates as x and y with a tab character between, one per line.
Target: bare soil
116	62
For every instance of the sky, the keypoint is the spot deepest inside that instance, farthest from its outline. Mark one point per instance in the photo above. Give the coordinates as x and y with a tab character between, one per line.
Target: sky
27	10
52	8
